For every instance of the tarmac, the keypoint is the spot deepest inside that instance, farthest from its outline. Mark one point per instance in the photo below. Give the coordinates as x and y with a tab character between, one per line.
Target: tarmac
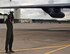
36	38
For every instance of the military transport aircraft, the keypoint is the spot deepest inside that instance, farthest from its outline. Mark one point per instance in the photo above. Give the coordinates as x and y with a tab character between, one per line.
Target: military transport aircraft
54	10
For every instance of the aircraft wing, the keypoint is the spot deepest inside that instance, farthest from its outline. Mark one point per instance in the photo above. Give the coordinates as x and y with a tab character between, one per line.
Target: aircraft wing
54	10
62	5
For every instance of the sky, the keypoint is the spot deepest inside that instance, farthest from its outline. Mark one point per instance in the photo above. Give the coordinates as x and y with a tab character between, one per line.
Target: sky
31	13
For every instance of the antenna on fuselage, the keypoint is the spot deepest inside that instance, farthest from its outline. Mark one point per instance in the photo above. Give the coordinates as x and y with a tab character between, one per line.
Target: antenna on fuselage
10	3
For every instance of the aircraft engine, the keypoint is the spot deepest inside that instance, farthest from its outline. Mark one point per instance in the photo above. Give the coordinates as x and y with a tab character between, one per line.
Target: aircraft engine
54	12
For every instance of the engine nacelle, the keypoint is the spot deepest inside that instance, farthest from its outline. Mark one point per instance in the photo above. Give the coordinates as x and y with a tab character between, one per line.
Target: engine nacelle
54	12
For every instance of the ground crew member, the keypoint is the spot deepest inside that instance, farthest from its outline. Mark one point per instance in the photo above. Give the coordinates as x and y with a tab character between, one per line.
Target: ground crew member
9	34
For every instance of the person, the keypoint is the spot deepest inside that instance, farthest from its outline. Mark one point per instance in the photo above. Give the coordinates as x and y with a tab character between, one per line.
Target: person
9	33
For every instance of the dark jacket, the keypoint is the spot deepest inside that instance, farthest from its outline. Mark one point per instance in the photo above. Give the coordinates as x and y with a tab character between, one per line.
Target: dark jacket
9	27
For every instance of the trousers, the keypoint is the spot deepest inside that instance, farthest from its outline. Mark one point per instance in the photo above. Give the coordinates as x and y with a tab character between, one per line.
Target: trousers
9	42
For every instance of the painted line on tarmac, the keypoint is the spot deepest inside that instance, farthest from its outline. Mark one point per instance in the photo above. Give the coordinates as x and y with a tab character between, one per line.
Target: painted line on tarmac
58	49
34	48
39	48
